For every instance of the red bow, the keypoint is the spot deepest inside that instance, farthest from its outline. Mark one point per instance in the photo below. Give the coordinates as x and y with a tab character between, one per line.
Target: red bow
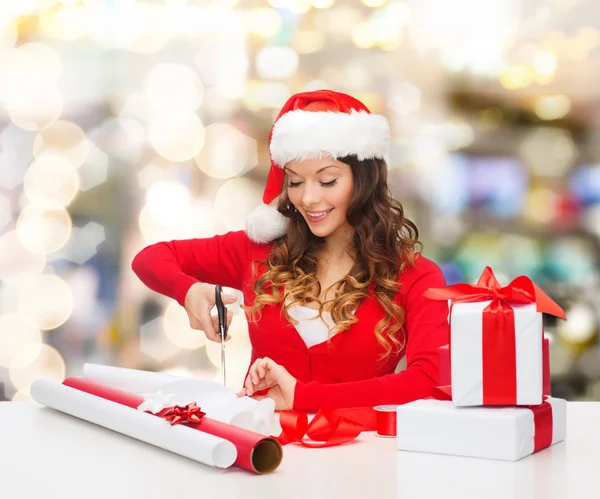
190	413
521	290
329	426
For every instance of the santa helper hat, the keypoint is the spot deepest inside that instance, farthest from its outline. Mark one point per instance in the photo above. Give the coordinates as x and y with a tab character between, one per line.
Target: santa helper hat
313	125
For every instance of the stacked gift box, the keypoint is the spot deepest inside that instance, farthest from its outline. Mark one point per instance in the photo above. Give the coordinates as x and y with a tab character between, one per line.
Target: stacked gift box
493	400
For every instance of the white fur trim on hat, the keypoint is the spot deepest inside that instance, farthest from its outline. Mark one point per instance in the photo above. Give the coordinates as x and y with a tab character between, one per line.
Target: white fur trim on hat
300	135
265	224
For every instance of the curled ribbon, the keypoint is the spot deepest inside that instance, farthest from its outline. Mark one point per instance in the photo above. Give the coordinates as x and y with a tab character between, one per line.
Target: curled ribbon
329	427
190	413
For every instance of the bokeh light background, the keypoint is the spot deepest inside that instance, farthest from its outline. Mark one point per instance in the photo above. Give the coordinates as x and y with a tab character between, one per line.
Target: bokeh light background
126	122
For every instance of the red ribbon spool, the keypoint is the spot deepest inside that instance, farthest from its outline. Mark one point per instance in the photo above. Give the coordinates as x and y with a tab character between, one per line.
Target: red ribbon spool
386	420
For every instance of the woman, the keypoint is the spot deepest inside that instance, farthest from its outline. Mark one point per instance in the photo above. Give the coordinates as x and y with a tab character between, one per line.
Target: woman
332	283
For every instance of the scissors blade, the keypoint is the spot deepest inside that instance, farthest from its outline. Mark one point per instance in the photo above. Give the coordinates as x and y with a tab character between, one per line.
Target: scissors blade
223	358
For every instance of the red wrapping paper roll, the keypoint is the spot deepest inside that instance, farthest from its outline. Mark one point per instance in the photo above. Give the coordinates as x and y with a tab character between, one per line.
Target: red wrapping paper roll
256	452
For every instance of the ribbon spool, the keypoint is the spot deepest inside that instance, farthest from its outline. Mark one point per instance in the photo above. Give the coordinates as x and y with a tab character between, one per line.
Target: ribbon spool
386	420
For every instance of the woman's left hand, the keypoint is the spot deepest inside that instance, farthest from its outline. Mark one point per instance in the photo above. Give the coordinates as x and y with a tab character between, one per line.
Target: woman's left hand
266	373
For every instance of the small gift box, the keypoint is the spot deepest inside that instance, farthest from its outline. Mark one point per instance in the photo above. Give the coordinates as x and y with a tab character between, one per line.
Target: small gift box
505	433
496	340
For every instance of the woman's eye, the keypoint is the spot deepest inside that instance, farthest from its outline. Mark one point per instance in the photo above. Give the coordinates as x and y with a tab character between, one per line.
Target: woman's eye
294	184
329	184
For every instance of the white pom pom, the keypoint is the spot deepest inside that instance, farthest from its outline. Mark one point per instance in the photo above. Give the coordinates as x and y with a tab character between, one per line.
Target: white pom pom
265	224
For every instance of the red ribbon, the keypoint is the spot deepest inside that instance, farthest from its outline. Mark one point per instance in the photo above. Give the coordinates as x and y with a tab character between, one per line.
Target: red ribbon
190	413
499	345
329	426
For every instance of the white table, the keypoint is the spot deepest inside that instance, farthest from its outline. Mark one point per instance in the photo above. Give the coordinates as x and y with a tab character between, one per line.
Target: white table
46	454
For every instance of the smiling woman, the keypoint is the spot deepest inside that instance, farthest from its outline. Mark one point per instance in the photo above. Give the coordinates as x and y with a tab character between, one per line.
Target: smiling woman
337	243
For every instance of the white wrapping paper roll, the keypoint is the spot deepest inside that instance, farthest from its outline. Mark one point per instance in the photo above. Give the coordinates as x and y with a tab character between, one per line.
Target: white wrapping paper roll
179	439
129	380
217	401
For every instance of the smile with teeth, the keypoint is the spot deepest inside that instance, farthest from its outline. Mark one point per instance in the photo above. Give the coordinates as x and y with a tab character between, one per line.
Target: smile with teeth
318	215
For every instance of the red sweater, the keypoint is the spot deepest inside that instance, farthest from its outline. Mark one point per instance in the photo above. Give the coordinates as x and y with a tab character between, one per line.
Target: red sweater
344	372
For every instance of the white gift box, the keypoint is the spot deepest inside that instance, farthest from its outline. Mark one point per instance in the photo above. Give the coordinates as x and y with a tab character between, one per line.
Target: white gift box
505	433
466	351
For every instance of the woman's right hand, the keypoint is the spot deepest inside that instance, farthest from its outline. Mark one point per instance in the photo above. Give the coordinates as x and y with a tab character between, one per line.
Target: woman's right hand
199	301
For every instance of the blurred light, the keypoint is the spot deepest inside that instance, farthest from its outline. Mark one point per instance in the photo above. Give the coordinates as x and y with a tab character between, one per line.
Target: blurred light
545	63
16	331
264	21
234	200
51	182
18	264
123	138
94	170
322	4
548	151
552	107
35	362
226	151
154	343
541	206
270	95
178	330
516	76
591	219
363	36
83	244
199	221
277	62
585	184
458	135
573	261
463	33
34	109
491	118
309	41
22	396
67	23
173	86
43	231
373	3
47	300
5	212
29	68
295	6
177	134
65	139
9	32
168	202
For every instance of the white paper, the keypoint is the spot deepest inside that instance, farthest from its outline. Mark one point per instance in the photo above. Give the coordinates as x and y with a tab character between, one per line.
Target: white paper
505	433
466	353
129	380
179	439
217	401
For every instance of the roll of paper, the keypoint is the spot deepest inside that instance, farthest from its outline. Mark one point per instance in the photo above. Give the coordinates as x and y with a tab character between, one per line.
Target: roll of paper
131	380
218	402
255	452
183	440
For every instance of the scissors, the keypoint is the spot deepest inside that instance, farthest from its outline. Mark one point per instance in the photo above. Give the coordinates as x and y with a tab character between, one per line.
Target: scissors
222	314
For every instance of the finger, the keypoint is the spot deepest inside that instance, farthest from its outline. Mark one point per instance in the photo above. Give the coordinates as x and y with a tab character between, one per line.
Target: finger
217	328
253	371
228	299
207	325
249	386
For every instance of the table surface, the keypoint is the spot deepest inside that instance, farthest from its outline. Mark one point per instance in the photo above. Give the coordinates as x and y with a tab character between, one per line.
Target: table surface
47	454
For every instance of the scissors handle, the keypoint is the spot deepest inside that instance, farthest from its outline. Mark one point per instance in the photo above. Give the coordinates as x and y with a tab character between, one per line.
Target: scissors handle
221	312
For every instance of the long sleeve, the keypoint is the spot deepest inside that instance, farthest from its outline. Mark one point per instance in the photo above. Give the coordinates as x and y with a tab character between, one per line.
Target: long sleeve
170	268
426	328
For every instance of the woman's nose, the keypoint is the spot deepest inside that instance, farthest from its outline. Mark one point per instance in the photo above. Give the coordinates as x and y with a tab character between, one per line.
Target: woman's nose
310	196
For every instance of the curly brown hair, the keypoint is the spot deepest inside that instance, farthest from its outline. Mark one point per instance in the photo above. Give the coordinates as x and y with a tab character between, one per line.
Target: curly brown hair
382	246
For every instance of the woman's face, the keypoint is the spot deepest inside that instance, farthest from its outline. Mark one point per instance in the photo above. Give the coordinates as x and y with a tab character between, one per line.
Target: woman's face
320	189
